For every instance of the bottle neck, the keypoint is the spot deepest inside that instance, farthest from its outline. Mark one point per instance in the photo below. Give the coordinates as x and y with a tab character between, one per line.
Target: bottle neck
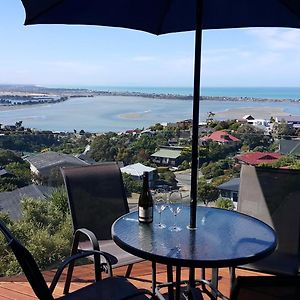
145	181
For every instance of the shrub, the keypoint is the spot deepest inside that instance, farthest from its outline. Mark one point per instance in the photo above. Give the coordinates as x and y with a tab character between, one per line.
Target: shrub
225	203
44	229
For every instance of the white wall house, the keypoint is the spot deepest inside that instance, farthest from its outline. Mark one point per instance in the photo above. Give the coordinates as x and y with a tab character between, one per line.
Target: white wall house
136	171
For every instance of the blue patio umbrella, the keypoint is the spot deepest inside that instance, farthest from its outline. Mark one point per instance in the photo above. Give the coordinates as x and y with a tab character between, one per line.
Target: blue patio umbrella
166	16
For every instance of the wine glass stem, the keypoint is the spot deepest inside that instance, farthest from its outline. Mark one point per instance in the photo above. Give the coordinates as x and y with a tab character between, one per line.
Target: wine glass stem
159	224
174	220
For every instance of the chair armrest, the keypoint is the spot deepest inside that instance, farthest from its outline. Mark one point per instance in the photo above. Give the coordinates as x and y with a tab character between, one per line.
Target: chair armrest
89	234
72	259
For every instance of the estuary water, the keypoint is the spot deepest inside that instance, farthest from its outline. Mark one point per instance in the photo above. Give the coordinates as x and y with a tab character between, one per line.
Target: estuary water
120	113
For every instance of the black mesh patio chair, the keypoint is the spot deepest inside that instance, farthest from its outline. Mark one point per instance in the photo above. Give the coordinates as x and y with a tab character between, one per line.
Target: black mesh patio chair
273	196
266	288
97	198
254	288
112	288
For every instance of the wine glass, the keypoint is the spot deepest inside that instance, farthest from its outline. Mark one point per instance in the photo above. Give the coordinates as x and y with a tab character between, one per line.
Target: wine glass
175	201
160	204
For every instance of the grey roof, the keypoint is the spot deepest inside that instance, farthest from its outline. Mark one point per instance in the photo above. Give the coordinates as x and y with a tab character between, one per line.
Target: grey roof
289	146
3	172
11	201
231	185
288	118
167	153
52	159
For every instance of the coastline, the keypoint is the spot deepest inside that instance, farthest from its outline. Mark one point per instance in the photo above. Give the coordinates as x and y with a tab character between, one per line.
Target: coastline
264	112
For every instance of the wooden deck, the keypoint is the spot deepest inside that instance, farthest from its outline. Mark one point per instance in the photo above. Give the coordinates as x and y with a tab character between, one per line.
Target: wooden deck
17	287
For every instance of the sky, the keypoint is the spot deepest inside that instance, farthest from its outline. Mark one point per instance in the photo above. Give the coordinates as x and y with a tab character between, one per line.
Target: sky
64	55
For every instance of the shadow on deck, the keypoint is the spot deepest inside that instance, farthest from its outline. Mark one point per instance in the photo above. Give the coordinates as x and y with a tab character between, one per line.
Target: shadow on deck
18	288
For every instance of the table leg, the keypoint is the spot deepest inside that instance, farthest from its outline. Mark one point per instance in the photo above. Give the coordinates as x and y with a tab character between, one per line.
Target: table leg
214	280
177	286
153	277
170	279
192	277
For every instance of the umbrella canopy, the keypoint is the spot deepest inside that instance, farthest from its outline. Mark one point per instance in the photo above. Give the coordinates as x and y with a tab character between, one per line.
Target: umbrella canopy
166	16
161	16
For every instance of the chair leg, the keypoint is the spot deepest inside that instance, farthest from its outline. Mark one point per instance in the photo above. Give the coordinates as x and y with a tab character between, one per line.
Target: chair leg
74	250
128	271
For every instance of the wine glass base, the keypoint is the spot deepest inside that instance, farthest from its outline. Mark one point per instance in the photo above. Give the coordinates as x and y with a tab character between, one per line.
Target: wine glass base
160	226
175	228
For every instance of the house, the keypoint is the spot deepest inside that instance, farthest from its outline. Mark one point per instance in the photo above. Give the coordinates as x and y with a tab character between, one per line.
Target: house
289	147
256	158
290	120
221	137
203	128
42	164
136	171
148	132
248	118
263	124
10	202
133	131
230	189
184	124
168	156
5	174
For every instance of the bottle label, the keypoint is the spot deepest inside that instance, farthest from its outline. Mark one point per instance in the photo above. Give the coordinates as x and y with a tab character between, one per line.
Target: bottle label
146	214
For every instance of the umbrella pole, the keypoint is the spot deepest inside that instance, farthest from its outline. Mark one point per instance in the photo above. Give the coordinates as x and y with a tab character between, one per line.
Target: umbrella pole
196	98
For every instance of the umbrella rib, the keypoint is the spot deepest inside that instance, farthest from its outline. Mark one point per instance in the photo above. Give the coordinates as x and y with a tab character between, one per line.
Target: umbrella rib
159	28
29	21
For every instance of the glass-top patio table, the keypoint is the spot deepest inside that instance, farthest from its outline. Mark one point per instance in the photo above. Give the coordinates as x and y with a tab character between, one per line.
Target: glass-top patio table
223	238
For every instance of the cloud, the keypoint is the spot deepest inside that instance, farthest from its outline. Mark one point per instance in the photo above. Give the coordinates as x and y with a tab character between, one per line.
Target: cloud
144	58
277	39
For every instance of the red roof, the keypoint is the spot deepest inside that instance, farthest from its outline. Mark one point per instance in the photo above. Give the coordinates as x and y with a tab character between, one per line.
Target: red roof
220	136
256	158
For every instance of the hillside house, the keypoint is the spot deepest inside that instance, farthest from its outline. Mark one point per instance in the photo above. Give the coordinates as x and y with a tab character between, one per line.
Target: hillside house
221	137
230	189
256	158
167	156
290	120
43	163
289	147
10	202
136	171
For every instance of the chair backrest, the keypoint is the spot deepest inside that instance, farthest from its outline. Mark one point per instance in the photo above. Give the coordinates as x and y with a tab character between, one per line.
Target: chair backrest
266	288
96	197
28	265
273	196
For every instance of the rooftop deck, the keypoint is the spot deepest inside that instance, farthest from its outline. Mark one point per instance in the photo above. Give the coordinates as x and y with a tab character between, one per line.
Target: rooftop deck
18	288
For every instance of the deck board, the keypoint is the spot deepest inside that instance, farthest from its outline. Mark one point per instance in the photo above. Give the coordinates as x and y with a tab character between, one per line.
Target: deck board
17	287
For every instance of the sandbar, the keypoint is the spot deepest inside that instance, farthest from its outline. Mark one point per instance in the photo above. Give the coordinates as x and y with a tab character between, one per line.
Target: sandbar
257	112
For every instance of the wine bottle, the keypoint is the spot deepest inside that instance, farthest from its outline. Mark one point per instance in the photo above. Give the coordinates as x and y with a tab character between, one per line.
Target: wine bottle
145	202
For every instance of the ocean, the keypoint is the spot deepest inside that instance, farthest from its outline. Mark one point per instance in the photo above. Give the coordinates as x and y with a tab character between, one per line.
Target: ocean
251	92
119	113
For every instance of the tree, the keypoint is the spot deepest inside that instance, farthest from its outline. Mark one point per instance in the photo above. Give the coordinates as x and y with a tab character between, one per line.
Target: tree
131	185
207	193
283	130
225	203
103	147
210	117
252	137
